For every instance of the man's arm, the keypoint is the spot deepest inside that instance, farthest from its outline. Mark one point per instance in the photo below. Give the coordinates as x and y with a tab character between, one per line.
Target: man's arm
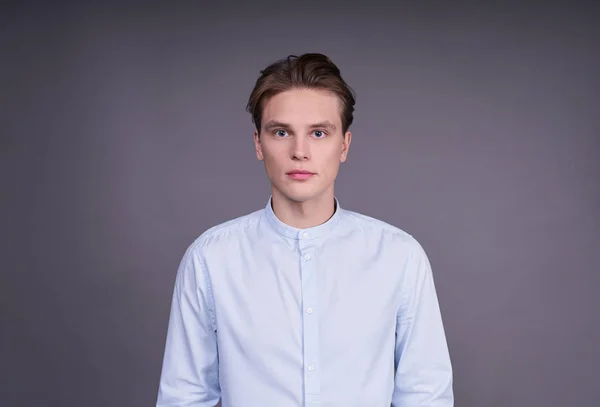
190	370
423	367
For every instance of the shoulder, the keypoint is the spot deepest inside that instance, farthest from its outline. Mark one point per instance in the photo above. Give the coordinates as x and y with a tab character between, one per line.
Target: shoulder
225	232
372	225
388	233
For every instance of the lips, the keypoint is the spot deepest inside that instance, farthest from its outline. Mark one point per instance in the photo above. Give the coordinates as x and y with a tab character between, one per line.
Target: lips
300	174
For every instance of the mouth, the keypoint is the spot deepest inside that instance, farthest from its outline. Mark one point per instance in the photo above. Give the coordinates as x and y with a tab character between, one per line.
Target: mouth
300	174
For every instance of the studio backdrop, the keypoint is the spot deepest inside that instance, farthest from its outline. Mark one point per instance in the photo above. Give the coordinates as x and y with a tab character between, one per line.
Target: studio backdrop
124	137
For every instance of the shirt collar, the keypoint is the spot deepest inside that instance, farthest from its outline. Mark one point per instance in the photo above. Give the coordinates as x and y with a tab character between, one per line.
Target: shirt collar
314	232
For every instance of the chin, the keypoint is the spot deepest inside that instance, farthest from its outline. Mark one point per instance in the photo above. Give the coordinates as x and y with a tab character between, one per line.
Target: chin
299	194
295	197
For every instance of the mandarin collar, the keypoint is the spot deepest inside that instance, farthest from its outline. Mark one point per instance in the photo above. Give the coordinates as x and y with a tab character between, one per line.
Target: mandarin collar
291	232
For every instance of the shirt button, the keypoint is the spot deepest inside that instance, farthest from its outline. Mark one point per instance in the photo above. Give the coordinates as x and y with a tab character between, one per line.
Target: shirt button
311	367
305	235
307	257
309	310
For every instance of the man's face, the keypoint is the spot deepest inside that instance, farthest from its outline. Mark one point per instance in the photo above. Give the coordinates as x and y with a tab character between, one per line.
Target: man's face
301	131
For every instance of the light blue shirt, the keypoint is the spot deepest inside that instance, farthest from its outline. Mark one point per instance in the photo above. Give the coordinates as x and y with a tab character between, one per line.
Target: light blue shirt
344	314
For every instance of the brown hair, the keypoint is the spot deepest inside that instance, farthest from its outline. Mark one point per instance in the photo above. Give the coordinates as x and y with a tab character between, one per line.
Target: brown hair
308	71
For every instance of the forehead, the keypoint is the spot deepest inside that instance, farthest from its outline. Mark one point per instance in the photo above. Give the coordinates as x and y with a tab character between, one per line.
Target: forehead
303	106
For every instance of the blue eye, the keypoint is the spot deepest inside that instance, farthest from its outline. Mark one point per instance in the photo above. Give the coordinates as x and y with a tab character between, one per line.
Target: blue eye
319	134
280	133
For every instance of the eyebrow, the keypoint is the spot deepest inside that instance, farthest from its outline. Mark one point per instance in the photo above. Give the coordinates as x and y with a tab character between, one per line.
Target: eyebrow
272	124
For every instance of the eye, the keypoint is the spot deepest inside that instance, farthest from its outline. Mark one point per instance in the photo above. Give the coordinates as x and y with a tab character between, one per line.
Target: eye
280	133
319	133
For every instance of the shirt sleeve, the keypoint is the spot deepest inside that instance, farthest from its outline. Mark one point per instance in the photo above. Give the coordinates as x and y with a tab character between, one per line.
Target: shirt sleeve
423	368
190	369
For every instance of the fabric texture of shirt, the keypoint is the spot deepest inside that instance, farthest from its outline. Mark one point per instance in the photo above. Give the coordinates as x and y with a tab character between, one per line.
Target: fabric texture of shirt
344	314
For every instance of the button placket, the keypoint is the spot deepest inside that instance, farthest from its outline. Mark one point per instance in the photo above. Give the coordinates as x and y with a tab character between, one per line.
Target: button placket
310	327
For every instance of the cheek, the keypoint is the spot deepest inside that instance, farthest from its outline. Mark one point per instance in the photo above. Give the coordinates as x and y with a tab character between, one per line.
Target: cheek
276	153
333	159
272	162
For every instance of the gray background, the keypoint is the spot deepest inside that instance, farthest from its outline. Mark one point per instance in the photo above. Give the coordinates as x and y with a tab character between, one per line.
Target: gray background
124	136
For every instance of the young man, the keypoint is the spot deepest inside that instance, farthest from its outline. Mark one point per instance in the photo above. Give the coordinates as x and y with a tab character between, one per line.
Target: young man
304	303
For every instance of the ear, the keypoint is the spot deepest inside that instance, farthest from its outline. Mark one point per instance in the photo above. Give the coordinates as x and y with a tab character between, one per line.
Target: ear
346	146
258	146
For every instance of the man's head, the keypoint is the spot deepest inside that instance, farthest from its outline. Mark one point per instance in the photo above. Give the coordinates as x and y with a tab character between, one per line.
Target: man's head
302	110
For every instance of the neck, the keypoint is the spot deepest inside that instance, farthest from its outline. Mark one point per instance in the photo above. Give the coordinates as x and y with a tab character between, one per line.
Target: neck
303	215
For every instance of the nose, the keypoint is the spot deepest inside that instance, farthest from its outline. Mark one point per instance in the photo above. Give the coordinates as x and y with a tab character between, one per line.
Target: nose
301	150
